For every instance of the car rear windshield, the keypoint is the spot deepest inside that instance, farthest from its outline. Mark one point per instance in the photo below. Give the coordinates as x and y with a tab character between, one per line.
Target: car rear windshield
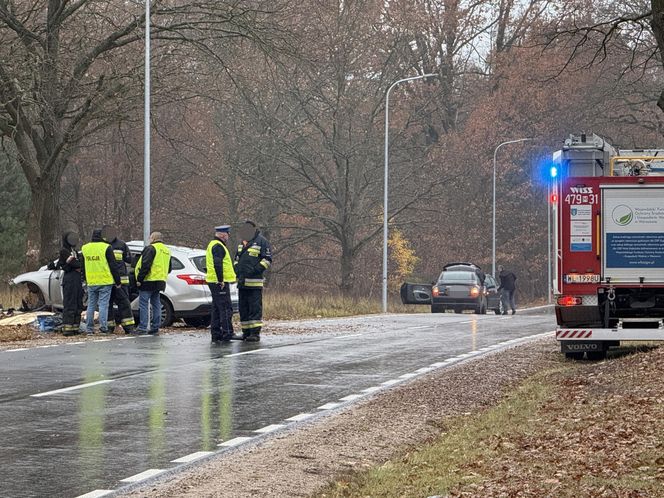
458	277
199	262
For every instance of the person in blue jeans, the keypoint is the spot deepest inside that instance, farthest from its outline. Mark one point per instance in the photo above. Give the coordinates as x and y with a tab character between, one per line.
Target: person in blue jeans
100	272
152	268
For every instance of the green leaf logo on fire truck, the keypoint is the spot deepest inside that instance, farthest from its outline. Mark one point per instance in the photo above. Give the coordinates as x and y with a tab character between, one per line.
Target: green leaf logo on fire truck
622	215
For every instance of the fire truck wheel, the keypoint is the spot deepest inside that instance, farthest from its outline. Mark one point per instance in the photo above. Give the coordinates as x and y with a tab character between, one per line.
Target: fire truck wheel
596	355
574	356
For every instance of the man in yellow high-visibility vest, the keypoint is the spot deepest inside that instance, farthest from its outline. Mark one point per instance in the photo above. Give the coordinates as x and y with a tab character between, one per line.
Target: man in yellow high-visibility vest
219	274
101	274
152	268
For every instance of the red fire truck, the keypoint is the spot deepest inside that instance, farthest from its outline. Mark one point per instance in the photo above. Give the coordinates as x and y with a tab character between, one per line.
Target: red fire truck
609	246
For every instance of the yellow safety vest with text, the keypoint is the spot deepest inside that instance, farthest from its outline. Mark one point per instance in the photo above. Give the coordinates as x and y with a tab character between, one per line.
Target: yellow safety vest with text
229	271
97	271
159	269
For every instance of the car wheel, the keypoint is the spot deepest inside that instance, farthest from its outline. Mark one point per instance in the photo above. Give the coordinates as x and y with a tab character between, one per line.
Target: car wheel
166	312
458	310
199	322
34	299
480	309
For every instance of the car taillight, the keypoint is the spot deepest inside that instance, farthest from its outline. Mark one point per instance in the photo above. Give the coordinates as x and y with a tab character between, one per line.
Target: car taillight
569	301
474	291
193	279
435	292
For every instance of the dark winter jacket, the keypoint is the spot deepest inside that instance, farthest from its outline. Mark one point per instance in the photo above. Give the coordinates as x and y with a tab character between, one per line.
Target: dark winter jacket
251	261
507	280
65	252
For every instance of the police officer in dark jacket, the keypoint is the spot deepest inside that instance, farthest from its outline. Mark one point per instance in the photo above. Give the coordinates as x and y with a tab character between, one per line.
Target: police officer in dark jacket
219	275
253	257
119	295
69	261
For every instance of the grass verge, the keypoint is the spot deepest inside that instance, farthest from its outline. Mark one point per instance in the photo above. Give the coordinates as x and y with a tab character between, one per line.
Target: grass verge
287	306
580	429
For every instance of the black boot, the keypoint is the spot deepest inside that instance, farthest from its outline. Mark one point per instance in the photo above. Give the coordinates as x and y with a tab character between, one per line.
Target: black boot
253	338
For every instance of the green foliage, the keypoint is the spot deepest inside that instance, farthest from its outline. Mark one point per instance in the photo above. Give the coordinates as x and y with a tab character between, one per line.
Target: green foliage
14	206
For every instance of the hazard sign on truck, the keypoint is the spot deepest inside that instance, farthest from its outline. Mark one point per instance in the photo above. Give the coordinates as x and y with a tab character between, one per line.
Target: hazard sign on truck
609	264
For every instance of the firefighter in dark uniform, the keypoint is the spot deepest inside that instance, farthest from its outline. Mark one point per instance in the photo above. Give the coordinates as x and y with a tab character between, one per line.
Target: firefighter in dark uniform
119	295
69	262
219	274
253	257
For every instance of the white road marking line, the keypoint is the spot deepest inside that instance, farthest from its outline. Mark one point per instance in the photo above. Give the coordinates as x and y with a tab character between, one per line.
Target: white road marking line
438	364
329	406
390	382
347	336
77	342
467	321
17	349
192	457
351	397
269	428
372	389
420	327
407	376
235	441
47	346
97	493
245	352
146	474
423	370
72	388
299	417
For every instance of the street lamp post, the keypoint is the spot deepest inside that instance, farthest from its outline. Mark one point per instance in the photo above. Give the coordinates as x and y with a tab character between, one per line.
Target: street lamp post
493	216
387	129
146	131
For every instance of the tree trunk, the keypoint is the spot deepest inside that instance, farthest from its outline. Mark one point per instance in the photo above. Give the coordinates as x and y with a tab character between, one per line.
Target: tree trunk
347	270
43	237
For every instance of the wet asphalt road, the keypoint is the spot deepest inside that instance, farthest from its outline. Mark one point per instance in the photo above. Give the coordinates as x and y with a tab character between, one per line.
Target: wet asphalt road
137	404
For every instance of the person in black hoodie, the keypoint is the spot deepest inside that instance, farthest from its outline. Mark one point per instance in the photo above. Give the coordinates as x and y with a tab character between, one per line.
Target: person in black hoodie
72	289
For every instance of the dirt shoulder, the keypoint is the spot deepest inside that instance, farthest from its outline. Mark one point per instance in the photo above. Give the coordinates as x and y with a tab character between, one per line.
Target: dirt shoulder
303	462
574	430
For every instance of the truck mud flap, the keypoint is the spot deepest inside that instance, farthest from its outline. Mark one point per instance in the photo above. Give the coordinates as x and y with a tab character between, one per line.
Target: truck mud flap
416	294
583	346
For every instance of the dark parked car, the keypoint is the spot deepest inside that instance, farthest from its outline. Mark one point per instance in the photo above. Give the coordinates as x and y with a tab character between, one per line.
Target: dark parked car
463	286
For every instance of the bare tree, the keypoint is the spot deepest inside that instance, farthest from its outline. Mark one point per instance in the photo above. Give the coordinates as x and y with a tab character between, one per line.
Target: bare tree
69	68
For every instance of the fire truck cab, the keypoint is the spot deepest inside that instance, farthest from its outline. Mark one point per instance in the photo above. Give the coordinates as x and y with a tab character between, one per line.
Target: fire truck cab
609	246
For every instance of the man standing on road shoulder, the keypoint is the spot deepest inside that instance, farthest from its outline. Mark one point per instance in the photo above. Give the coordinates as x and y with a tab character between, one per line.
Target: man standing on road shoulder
101	274
152	268
219	275
253	257
507	289
119	295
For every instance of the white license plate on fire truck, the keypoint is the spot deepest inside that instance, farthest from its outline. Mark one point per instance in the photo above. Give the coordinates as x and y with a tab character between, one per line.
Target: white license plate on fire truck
585	278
